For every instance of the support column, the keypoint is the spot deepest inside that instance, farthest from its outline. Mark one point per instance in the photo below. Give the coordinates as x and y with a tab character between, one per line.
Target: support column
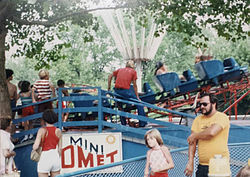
139	74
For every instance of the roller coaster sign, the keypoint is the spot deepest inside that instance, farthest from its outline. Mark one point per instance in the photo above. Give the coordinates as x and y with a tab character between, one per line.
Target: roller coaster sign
86	150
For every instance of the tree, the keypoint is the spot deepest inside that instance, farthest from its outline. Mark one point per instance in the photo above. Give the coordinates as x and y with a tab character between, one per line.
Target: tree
222	48
177	55
86	63
229	17
30	24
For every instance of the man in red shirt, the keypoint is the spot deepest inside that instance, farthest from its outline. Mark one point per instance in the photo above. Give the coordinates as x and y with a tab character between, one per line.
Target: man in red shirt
124	77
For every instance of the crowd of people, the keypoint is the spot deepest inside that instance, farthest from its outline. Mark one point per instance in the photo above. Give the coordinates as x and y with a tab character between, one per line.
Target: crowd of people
209	131
41	90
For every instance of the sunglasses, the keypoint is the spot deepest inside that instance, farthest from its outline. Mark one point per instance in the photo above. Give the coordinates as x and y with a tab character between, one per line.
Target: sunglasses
204	104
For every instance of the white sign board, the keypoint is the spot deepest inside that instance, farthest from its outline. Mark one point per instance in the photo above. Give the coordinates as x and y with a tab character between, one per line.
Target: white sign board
85	150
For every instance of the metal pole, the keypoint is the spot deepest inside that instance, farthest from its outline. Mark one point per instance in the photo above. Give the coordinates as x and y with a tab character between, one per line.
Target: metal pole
100	113
60	108
244	95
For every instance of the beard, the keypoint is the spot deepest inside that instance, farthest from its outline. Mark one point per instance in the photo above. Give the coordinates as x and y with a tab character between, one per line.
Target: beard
207	112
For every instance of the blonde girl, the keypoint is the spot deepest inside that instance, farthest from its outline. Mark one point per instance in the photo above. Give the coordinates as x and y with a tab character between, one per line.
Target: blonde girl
159	159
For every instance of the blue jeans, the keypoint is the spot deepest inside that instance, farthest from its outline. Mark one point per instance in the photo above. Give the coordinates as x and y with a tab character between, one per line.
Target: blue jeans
126	93
202	171
13	104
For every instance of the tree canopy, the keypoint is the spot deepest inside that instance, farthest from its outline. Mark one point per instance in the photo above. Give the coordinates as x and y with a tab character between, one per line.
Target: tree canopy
229	17
31	25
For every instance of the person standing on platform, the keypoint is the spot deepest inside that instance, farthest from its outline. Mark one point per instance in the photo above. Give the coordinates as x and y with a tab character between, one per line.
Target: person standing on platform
61	84
44	90
12	90
26	99
124	77
210	131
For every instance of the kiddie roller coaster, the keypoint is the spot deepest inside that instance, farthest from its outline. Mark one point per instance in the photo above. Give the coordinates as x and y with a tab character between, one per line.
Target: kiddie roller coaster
227	80
93	108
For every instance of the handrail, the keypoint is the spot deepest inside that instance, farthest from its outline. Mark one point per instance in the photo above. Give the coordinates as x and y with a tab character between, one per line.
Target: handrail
130	160
100	109
142	103
33	104
113	164
139	117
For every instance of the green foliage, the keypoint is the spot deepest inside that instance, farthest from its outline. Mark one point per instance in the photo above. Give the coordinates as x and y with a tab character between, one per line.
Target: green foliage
23	69
174	53
222	48
34	28
48	17
228	17
243	106
83	64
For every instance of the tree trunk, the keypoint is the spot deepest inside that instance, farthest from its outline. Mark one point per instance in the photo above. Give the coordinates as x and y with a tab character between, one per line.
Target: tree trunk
5	109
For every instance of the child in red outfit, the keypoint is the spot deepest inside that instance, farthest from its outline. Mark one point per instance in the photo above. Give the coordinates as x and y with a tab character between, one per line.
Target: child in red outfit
158	157
26	99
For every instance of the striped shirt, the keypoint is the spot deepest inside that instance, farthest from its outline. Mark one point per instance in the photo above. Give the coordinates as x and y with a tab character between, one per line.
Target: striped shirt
43	89
26	100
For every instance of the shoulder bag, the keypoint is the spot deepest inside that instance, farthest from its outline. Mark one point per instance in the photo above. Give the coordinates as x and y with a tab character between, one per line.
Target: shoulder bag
36	154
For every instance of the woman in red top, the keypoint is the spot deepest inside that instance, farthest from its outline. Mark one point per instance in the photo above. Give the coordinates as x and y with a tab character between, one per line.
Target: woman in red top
49	137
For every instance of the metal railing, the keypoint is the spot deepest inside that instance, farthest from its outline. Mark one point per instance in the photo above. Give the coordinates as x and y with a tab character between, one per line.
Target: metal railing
112	111
32	117
239	154
100	109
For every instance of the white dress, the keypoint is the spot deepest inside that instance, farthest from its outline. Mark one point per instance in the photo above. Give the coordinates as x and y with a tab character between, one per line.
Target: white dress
5	143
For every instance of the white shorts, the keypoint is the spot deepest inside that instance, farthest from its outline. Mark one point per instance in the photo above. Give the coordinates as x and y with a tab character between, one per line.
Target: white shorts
49	162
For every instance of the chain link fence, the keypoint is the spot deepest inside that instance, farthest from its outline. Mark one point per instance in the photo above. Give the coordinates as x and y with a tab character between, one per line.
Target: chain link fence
239	154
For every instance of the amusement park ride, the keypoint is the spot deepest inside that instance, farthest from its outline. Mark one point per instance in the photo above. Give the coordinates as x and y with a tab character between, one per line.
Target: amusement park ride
227	80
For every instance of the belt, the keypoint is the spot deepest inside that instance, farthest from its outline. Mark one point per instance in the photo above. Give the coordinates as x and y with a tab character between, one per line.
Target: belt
43	99
121	89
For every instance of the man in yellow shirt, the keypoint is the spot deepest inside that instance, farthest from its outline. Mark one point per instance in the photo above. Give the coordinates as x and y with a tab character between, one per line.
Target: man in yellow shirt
210	131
